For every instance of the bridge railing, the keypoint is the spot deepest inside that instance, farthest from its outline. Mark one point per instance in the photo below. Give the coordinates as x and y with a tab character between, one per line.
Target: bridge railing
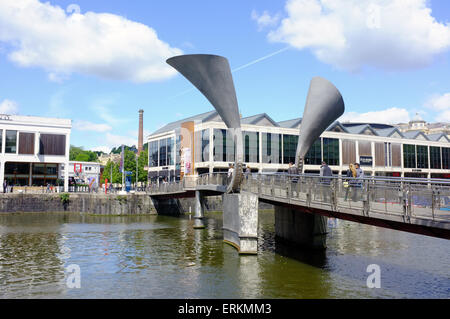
215	179
405	197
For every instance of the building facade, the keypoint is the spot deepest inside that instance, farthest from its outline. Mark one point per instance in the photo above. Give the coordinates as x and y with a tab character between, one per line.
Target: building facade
88	172
269	146
33	149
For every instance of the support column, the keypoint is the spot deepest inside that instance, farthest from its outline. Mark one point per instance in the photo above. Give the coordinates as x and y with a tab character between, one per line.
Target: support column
240	221
199	213
304	229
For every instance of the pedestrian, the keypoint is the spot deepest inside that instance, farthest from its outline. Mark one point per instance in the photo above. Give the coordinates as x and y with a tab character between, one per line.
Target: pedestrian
230	170
348	183
325	173
292	172
48	188
358	184
248	171
5	186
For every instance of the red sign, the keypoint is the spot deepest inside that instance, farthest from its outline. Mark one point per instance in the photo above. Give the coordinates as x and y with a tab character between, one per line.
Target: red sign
77	167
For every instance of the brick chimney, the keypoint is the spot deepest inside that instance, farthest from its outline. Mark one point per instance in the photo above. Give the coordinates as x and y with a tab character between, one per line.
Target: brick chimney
141	131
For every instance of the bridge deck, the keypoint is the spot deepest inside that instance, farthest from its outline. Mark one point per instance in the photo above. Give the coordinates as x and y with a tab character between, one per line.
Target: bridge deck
414	206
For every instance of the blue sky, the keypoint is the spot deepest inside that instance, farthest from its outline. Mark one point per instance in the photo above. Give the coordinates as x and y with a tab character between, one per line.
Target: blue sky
389	58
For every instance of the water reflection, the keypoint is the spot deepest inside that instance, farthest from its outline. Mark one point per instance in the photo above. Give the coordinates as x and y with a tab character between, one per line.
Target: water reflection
165	257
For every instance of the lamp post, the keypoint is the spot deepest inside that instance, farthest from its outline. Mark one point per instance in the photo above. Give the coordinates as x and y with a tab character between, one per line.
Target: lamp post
137	170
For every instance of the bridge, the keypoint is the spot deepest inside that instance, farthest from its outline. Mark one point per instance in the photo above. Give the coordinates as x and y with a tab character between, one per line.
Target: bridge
303	202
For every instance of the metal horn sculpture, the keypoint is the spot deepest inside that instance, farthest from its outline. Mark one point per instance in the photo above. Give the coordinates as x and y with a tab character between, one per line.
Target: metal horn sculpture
211	75
324	105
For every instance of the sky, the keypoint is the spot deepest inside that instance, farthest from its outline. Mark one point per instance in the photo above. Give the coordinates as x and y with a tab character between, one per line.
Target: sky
98	62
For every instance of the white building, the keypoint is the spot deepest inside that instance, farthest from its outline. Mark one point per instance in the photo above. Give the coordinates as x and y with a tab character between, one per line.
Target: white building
33	149
269	146
86	171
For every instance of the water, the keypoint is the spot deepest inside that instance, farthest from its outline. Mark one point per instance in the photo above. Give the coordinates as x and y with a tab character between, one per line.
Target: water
164	257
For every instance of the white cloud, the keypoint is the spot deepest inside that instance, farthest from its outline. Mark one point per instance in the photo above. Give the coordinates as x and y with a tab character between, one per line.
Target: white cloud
99	44
117	140
351	34
265	19
440	104
89	126
391	116
9	107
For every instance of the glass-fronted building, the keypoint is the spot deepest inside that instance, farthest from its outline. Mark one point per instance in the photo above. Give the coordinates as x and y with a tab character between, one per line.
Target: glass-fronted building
33	149
269	146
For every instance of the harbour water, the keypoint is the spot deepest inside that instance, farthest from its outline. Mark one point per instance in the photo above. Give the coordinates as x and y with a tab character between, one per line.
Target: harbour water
164	257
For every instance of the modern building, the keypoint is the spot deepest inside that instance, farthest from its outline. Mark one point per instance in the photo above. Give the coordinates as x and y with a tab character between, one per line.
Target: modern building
269	146
33	149
89	172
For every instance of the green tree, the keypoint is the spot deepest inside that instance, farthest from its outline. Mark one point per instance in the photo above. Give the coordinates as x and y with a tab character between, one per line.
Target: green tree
79	154
142	161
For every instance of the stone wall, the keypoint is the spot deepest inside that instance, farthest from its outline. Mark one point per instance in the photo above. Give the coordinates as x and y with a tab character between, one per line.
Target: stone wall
82	203
132	204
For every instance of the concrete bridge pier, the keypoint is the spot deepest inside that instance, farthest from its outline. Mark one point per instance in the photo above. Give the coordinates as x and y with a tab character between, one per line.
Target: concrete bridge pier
303	229
240	221
199	213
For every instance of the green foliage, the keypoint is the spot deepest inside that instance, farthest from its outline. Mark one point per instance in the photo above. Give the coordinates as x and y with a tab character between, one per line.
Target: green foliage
78	154
130	165
64	198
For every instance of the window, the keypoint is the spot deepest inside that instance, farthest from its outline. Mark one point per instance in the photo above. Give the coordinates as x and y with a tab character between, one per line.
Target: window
169	143
251	147
445	158
11	142
153	154
17	173
422	156
52	144
331	151
314	155
223	150
202	146
163	152
26	143
271	148
435	157
409	156
289	148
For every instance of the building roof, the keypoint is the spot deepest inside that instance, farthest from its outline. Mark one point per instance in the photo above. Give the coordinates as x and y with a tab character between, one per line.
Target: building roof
294	123
258	120
414	134
173	125
360	129
387	132
437	136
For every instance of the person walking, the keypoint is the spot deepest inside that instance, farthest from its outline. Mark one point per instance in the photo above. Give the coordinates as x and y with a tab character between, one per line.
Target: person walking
358	184
325	173
230	172
292	172
349	182
248	172
5	186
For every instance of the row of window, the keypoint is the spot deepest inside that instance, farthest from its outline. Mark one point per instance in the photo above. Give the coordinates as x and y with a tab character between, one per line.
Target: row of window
416	156
323	149
22	143
160	152
27	174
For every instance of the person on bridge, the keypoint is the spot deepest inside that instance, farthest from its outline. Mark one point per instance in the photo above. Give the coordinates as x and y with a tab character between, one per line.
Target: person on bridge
248	172
325	173
230	171
349	182
358	182
293	170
